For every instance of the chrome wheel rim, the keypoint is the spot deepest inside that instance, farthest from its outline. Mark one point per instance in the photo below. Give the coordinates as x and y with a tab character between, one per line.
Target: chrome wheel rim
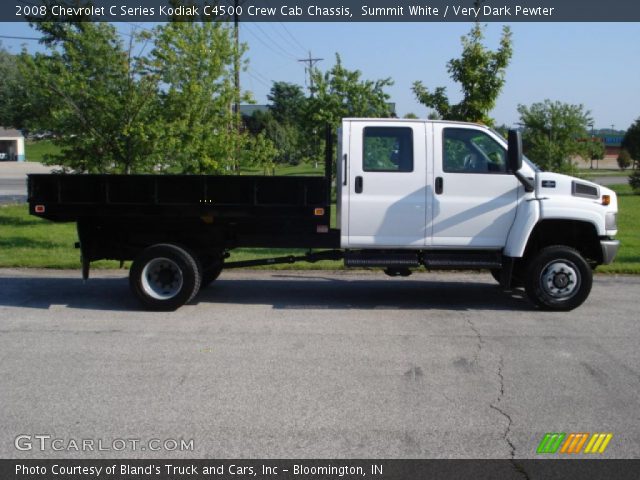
560	279
162	278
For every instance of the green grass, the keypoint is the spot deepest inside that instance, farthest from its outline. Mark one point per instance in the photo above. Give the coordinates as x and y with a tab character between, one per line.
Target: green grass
289	170
628	258
604	172
27	241
35	150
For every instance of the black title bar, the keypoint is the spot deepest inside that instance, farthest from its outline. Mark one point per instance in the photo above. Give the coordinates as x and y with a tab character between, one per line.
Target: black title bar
326	10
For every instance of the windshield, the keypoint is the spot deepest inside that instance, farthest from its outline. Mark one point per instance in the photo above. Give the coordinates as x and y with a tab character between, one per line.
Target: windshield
535	167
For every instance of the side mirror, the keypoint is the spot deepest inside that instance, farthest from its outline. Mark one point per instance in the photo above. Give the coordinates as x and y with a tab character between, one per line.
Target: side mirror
514	152
514	159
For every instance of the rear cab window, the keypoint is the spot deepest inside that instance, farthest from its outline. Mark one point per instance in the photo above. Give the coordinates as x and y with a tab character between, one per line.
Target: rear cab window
388	149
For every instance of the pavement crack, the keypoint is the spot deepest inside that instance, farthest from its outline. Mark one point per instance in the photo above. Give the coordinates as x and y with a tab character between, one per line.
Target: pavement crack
507	431
496	406
479	343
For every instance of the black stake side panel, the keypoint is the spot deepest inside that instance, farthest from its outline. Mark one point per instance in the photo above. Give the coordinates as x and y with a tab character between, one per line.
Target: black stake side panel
120	214
67	197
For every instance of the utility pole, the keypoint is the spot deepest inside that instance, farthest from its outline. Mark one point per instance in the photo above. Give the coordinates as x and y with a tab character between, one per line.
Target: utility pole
236	74
590	125
236	59
309	69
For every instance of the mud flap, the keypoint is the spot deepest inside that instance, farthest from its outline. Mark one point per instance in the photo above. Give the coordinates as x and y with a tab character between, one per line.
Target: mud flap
86	264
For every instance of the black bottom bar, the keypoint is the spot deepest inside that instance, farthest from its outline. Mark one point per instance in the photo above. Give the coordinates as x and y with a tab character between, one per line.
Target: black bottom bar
168	469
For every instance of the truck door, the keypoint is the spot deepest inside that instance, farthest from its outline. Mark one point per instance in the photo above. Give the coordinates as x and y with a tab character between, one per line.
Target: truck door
474	198
386	184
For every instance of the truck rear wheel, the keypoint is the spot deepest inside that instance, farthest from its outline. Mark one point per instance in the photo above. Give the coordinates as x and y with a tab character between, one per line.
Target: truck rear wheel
164	277
558	278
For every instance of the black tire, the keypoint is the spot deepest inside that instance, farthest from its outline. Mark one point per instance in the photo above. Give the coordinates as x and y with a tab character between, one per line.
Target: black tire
211	267
164	277
558	278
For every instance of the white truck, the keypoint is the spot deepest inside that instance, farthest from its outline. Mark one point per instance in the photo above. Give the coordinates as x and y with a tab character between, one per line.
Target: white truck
410	194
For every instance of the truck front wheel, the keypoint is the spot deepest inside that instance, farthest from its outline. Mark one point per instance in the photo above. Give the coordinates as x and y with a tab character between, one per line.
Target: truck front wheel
164	277
558	278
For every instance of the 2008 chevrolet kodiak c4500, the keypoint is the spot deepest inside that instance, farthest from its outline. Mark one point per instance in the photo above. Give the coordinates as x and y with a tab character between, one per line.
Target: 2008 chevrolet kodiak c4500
410	193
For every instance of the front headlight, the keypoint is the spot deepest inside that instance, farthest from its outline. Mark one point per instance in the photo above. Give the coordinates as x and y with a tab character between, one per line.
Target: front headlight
610	221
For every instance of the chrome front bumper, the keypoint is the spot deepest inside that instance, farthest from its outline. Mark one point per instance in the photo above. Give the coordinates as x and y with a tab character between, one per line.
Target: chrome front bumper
609	250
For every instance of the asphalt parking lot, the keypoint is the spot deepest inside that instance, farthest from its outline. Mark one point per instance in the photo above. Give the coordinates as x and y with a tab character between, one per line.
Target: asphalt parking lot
315	364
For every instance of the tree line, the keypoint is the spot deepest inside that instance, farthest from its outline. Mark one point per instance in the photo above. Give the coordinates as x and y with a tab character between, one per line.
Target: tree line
163	102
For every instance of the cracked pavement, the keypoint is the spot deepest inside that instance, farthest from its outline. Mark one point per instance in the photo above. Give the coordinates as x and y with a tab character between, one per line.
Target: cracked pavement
284	364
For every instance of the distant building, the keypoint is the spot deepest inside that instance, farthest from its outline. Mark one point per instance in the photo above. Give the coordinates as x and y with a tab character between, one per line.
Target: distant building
11	145
612	144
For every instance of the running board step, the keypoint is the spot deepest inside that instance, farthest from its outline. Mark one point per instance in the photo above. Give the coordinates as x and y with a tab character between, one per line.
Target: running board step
382	259
462	260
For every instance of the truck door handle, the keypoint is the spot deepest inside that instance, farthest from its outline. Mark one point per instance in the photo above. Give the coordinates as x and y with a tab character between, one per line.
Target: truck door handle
344	169
439	184
358	184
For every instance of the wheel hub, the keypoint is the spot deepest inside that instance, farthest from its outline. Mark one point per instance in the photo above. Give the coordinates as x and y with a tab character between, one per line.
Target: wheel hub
162	278
560	279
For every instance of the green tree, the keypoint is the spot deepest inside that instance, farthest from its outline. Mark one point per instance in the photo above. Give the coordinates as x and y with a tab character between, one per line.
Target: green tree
340	93
13	96
595	150
8	76
168	108
88	89
194	61
624	160
554	132
503	130
631	142
260	151
287	102
288	130
634	181
286	137
480	73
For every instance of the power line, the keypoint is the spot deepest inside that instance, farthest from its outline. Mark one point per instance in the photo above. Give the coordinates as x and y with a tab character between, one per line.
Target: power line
257	79
255	72
284	39
290	34
20	38
257	37
276	44
294	38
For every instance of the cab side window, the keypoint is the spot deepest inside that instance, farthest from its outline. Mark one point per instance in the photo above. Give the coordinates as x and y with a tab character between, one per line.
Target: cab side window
388	149
472	151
